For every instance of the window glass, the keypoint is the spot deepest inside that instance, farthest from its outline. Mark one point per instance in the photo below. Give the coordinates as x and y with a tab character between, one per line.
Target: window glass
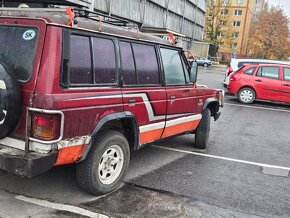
128	66
80	60
18	48
104	61
250	71
174	74
146	64
287	74
269	72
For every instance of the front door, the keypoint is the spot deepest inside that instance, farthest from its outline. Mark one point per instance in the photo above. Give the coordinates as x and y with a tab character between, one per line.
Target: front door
181	96
268	83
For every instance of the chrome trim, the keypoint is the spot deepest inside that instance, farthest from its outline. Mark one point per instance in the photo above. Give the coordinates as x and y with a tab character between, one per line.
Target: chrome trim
61	125
221	97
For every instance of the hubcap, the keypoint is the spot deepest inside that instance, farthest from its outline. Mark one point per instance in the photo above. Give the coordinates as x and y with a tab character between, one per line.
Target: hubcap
111	164
246	96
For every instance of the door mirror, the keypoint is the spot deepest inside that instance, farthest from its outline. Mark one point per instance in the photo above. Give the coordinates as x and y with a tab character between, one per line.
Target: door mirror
193	72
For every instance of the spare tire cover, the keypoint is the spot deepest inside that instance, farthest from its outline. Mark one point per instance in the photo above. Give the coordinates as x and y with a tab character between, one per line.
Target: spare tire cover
10	101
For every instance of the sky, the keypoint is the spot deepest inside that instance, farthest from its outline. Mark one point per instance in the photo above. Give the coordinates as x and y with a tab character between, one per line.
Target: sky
285	4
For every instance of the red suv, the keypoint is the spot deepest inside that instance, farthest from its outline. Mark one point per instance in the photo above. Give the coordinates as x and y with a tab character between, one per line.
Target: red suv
78	90
261	81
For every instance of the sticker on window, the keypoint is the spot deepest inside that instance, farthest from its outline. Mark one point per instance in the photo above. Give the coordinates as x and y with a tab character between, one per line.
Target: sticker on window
28	35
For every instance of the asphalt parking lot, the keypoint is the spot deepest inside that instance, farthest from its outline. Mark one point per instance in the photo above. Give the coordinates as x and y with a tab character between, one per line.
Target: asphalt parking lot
243	173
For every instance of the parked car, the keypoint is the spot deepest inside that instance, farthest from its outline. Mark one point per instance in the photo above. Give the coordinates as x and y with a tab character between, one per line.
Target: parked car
236	64
261	81
202	61
90	94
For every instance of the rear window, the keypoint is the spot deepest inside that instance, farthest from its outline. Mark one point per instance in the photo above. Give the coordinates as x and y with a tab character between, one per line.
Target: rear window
18	49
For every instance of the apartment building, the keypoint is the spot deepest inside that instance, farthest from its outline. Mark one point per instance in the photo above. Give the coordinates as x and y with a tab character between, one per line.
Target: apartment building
234	35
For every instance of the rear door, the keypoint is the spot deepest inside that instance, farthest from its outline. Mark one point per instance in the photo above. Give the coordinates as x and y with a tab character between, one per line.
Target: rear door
286	84
267	83
181	95
143	93
21	43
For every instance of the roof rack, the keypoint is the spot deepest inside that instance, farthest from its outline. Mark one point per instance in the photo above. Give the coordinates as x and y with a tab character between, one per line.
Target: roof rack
100	16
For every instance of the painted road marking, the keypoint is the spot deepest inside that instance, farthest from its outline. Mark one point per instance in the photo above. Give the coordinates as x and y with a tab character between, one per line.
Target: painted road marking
62	207
256	107
283	171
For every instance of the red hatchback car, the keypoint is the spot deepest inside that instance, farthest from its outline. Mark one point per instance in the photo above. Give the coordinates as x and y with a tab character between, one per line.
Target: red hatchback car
261	81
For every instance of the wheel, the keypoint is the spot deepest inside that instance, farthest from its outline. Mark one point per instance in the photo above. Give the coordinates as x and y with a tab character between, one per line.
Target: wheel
10	101
104	168
246	95
205	64
202	131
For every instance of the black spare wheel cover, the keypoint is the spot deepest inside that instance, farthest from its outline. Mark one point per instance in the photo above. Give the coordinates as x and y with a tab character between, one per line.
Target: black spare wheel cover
10	101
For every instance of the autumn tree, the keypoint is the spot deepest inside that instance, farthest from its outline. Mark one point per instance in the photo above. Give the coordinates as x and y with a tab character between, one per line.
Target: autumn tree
218	29
269	35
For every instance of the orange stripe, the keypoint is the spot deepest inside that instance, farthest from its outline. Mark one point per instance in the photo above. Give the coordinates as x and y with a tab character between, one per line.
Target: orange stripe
69	155
150	136
179	128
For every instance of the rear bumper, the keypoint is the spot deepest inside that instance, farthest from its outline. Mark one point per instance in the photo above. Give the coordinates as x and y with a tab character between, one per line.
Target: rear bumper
28	165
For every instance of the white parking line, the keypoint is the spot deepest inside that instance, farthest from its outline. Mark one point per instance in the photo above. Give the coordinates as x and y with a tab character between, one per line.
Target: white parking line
223	158
262	108
62	207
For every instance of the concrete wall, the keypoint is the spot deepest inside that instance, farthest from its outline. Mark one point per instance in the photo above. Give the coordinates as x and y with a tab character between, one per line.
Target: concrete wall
183	16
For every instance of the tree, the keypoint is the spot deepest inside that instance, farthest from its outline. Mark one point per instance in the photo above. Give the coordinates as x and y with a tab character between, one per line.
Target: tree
269	35
218	28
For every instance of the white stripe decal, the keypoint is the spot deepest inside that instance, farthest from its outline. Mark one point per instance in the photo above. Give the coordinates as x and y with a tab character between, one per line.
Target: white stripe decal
150	127
145	100
183	120
62	207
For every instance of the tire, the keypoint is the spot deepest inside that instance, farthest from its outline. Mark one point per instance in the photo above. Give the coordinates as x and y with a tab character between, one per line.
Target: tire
10	101
205	64
246	95
202	131
97	174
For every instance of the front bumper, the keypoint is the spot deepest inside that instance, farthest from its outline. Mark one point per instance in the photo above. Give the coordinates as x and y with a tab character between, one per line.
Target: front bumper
25	164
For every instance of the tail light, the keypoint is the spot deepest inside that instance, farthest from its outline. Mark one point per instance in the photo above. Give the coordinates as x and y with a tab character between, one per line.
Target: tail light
230	70
46	126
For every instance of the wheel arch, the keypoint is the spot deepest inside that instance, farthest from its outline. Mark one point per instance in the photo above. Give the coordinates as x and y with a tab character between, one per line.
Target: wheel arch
124	122
212	104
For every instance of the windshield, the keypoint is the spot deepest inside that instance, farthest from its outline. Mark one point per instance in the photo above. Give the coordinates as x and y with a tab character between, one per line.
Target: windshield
17	49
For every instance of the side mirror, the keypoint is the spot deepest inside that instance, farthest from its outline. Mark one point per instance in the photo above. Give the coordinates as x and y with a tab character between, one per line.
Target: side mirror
193	72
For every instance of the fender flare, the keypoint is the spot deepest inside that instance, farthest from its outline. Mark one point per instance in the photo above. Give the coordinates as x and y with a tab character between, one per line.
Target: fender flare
108	118
208	102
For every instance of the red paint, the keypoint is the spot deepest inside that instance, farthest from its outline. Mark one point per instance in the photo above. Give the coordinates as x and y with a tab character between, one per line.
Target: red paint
265	88
83	108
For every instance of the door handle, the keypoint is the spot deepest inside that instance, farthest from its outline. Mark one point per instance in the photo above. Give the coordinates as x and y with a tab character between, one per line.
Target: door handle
258	80
172	97
132	101
186	90
286	85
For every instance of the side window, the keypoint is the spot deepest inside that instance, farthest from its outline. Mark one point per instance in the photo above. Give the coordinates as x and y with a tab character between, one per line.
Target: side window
269	72
146	64
80	60
287	74
104	61
250	71
127	62
173	69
